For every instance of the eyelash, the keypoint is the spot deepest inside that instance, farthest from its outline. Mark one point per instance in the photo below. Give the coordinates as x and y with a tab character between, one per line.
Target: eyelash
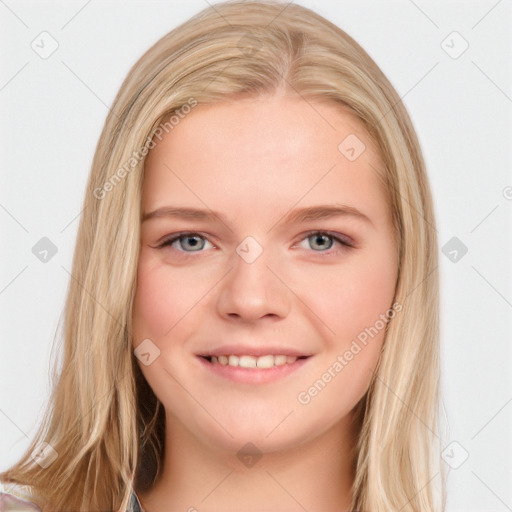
345	244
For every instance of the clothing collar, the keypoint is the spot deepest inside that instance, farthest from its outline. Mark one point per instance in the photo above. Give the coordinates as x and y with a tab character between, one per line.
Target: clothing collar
135	505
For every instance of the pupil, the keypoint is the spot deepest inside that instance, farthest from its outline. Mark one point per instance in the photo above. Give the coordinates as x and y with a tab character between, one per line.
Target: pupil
319	239
192	242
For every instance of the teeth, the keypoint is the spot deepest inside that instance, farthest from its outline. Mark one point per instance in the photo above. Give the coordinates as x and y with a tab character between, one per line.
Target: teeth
267	361
247	362
280	360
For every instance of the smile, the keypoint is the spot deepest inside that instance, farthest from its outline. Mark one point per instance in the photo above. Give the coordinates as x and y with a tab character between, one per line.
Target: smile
246	361
251	369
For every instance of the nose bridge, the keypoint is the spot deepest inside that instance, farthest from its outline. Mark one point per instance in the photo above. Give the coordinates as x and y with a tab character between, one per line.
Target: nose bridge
251	289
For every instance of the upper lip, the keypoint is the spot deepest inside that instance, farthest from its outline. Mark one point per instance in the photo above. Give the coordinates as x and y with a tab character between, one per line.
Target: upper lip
256	351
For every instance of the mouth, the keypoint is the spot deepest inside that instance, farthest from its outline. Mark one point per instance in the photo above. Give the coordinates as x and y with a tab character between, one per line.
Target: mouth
252	369
252	362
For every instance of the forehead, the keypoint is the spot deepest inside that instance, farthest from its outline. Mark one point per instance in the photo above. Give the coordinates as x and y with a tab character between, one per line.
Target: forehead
263	150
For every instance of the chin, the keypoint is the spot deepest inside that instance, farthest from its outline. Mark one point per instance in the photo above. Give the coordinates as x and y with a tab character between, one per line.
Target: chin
246	437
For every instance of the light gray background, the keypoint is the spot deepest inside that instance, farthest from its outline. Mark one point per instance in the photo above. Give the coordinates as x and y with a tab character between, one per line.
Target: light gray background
52	112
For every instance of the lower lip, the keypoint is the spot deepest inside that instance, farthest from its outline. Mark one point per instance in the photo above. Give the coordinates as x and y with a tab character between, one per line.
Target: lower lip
253	375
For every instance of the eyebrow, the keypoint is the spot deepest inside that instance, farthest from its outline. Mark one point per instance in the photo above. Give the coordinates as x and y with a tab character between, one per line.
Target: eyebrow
306	214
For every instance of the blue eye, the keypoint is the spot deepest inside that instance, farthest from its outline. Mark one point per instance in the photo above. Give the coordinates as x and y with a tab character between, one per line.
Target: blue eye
192	240
321	238
320	242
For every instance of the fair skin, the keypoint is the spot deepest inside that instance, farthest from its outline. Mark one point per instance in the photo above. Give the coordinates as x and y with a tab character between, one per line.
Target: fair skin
253	161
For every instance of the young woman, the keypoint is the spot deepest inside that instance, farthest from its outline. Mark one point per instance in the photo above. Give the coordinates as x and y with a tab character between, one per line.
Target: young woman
252	322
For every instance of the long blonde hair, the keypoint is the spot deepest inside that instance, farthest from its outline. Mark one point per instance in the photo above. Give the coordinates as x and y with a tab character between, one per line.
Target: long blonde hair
103	421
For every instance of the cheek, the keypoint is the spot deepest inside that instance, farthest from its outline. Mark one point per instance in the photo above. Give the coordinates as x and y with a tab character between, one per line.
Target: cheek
350	304
160	301
148	307
352	297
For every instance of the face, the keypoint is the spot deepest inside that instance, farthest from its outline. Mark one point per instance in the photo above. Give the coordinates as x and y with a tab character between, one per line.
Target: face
297	297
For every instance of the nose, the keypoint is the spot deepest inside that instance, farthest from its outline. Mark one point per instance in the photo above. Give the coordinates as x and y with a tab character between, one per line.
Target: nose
254	290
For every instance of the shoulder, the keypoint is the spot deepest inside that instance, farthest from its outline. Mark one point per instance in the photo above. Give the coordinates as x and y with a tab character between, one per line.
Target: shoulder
20	498
17	498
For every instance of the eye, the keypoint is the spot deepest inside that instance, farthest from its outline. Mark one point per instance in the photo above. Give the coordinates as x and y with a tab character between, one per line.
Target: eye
193	241
319	241
322	241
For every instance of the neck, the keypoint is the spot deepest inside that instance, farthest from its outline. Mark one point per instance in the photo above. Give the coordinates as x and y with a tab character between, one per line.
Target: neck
316	476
